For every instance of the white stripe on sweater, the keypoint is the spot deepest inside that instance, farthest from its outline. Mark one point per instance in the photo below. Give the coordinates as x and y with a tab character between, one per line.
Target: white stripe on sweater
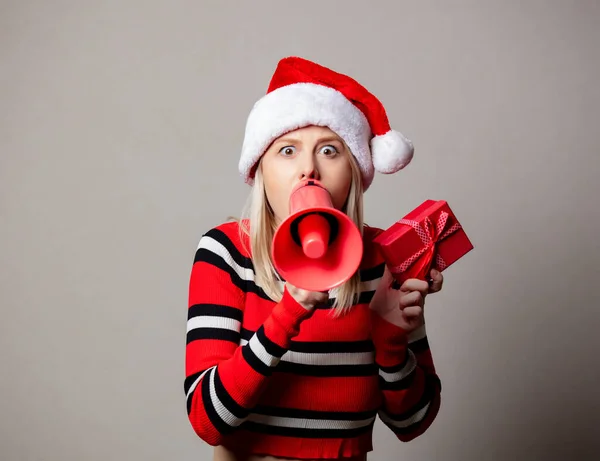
408	368
211	321
330	358
415	418
301	423
333	358
195	383
259	350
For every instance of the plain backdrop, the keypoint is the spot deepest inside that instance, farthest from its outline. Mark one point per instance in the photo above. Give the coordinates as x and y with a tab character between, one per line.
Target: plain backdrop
121	124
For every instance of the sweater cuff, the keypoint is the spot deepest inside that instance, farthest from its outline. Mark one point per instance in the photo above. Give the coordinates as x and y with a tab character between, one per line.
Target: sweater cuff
289	314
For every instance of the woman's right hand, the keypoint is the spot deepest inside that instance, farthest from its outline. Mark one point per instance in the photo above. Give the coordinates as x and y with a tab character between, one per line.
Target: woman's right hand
307	299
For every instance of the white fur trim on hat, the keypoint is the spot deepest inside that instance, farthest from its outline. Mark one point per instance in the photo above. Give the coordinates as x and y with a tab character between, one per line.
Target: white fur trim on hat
299	105
391	152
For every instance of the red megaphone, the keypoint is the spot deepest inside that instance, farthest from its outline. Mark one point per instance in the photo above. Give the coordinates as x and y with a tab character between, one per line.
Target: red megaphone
317	247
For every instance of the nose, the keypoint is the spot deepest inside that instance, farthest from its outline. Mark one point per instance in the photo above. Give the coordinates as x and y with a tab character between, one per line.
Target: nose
308	168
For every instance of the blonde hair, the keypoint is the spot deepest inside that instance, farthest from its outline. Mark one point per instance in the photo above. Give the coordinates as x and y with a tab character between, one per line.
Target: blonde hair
257	225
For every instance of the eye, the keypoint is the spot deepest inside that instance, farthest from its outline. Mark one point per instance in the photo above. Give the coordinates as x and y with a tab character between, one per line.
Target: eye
287	150
328	151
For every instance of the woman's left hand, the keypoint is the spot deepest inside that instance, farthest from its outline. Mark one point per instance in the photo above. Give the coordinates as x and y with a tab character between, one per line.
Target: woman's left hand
404	307
412	300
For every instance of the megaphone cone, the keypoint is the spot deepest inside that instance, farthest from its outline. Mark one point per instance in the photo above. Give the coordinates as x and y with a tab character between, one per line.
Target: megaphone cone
317	247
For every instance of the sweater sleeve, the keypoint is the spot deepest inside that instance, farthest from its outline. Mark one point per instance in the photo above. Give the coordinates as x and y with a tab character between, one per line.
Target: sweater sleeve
410	386
224	380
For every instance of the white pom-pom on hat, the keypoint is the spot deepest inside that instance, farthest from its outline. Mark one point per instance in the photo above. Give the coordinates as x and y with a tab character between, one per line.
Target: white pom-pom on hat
303	93
391	152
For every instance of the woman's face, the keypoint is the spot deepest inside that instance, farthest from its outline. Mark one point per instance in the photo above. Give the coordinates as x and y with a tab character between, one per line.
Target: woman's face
312	152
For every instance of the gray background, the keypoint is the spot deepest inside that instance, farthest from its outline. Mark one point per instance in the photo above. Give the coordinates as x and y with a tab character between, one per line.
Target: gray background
121	126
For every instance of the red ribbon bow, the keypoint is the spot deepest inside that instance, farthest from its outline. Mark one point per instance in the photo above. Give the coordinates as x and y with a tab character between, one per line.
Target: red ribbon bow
430	235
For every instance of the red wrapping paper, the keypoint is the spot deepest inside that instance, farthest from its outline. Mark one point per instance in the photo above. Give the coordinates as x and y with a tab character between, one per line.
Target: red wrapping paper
428	237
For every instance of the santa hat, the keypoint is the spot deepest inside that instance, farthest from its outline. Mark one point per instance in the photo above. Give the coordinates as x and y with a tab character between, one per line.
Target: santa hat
303	93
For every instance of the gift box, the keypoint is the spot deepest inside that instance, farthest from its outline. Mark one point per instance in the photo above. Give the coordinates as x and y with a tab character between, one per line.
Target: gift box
428	237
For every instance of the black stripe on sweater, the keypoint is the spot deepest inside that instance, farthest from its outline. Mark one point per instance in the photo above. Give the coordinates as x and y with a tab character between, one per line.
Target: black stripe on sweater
323	347
331	347
248	286
246	334
233	251
395	368
222	334
270	346
364	297
189	380
420	345
256	364
207	256
209	407
327	371
215	310
187	384
214	259
228	402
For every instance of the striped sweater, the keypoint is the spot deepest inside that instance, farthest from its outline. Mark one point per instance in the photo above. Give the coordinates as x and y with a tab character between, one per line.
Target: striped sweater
265	377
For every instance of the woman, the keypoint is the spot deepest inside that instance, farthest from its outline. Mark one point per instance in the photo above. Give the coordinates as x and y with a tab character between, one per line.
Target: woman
274	371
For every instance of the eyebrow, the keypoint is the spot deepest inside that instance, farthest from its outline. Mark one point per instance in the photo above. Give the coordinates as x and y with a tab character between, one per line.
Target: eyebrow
330	139
288	140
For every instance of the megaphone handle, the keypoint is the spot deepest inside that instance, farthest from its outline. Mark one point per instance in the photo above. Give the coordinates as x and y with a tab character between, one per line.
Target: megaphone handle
314	233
